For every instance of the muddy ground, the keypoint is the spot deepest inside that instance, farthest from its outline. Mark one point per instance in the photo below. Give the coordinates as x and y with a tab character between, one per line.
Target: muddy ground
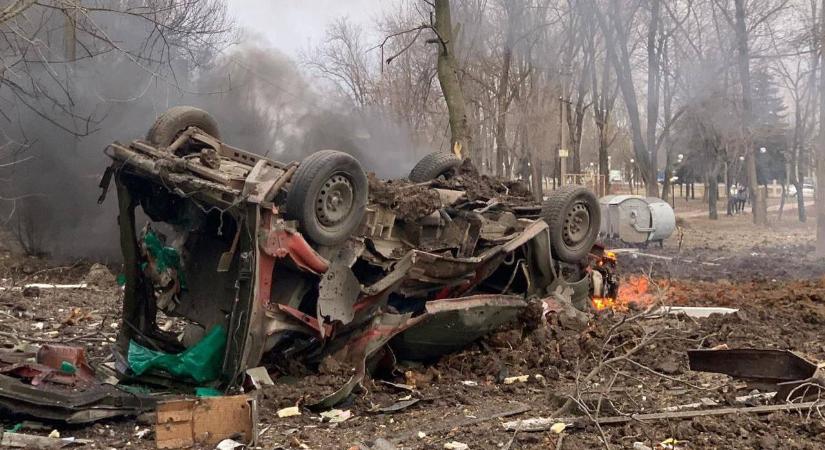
768	274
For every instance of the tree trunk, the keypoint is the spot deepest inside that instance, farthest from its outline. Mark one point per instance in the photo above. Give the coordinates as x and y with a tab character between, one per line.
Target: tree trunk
501	113
713	192
667	110
576	127
535	167
792	176
448	78
619	56
653	98
820	160
758	201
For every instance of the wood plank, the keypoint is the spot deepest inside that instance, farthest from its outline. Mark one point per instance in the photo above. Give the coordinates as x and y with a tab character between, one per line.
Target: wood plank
205	421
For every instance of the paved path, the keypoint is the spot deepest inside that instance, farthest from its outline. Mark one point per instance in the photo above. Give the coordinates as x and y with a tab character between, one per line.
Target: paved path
789	206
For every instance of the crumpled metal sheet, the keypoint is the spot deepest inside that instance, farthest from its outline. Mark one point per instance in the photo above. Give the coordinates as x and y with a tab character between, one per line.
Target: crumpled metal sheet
361	346
453	323
90	404
338	292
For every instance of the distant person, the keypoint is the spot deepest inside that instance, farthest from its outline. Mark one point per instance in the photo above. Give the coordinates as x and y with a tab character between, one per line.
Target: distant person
741	199
732	199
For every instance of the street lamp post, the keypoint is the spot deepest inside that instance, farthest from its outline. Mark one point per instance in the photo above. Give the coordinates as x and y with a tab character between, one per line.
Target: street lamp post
632	173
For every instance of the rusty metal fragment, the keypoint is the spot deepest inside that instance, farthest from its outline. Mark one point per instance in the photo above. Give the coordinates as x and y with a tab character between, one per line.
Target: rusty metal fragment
452	324
782	371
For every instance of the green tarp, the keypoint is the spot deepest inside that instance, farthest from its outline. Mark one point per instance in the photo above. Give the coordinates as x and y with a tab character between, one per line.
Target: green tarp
165	257
201	362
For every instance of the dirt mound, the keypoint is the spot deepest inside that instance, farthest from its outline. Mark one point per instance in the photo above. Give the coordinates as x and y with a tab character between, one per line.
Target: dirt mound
100	276
412	201
484	187
408	201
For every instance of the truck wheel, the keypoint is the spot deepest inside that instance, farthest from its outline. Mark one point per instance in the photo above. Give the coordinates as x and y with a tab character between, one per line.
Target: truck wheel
169	125
433	166
574	217
328	196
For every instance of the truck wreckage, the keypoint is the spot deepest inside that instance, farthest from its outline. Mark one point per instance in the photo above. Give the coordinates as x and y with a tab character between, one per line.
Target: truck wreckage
295	263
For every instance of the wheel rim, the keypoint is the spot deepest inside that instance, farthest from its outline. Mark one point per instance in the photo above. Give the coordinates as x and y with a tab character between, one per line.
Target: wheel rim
576	224
334	201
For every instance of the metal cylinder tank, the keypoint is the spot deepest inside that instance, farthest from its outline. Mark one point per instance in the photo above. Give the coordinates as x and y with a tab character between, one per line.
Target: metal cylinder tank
663	219
635	219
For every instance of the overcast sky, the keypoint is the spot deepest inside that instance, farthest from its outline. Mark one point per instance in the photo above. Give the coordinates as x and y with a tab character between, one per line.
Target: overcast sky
291	25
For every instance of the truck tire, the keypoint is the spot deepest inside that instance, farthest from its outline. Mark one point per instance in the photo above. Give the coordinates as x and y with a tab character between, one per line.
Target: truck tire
574	217
169	125
328	196
433	166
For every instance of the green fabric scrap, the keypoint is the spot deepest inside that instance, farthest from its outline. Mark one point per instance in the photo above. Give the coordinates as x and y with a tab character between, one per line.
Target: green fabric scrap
207	392
15	428
201	362
67	367
165	257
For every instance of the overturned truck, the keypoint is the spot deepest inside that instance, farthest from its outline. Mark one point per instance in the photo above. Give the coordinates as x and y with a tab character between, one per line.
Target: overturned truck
302	261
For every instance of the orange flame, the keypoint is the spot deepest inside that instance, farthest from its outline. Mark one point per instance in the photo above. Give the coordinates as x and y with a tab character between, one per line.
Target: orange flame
635	289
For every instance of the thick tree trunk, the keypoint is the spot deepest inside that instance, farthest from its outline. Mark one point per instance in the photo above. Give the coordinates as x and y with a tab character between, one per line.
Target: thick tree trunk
820	160
713	192
653	98
501	113
448	78
576	127
619	56
758	201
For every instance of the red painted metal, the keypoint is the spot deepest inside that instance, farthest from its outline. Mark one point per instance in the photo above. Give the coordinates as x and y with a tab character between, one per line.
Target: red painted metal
310	321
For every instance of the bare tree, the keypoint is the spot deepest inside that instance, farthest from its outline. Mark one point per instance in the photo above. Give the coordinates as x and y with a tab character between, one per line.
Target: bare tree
448	67
760	206
617	24
342	58
69	69
36	66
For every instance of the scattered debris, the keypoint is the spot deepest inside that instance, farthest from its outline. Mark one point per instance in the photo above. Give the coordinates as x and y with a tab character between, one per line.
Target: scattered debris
259	376
38	390
18	440
524	378
37	287
336	415
693	311
143	433
543	424
229	444
399	405
455	445
289	412
518	379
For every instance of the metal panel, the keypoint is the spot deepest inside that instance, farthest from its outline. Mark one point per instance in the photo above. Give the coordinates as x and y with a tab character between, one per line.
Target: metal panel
663	219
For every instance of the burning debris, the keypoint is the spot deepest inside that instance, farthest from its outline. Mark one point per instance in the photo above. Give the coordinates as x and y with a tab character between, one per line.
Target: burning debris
634	293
